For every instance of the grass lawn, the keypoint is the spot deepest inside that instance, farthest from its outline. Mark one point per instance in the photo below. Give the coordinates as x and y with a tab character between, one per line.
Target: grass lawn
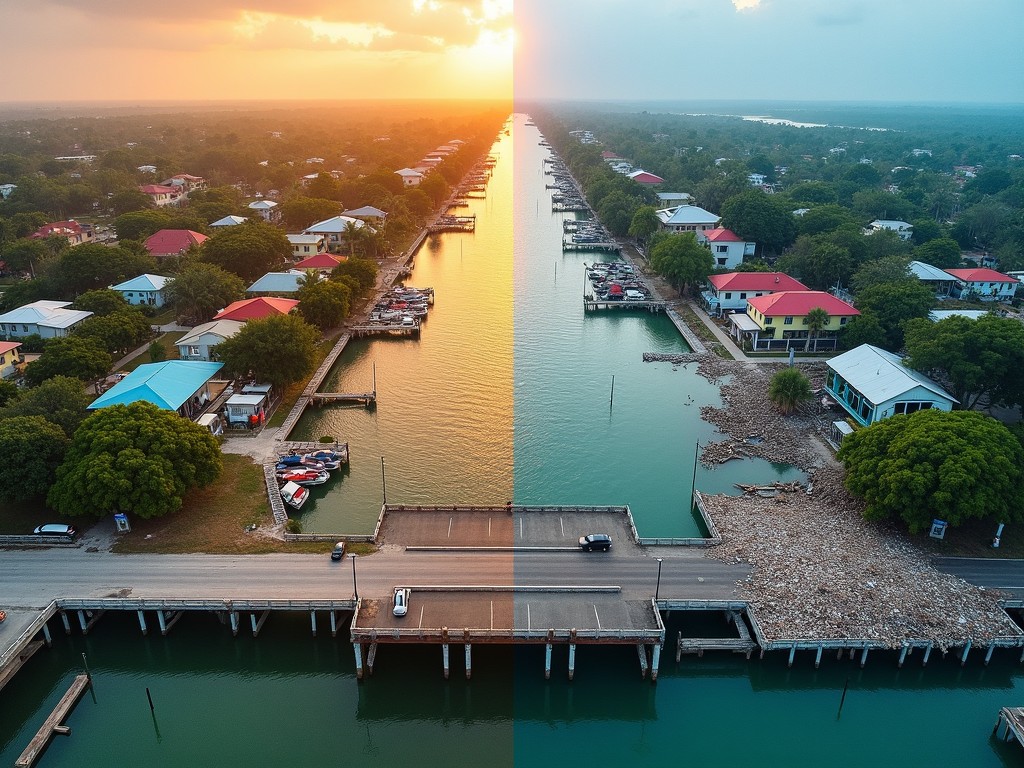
23	517
213	520
169	340
293	390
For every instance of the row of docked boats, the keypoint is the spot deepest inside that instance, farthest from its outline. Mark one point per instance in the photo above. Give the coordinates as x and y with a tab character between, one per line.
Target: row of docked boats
585	232
295	472
402	304
566	195
617	281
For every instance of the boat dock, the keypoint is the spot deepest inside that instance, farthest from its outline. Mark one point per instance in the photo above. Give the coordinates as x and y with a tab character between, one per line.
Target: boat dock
386	329
53	725
449	223
326	398
601	246
593	305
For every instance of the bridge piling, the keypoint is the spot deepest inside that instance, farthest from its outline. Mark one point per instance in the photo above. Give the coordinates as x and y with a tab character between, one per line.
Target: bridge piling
142	622
967	650
234	623
357	649
469	661
641	652
547	661
927	653
572	660
67	622
444	656
655	661
371	658
257	624
312	621
334	624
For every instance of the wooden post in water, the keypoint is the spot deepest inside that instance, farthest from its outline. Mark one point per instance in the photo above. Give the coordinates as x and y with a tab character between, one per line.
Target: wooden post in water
383	480
611	398
150	697
843	699
85	663
374	379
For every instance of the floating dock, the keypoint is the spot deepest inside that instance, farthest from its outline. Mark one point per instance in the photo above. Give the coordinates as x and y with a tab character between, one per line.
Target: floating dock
53	725
593	305
601	246
385	329
326	398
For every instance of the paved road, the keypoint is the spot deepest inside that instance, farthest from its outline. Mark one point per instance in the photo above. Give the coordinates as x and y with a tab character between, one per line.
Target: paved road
1007	575
33	578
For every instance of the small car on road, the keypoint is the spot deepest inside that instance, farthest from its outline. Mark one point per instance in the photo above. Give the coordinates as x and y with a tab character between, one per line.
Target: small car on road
55	529
596	541
402	595
338	552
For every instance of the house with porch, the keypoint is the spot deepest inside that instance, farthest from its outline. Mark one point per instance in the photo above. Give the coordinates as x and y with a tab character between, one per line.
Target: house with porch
778	322
410	177
872	384
334	230
49	319
145	290
305	245
74	232
729	292
901	228
183	386
982	283
10	357
939	280
160	194
367	213
727	248
646	178
267	209
688	218
199	343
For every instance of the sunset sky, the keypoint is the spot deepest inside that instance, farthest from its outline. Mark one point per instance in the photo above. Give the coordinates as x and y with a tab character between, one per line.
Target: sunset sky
890	50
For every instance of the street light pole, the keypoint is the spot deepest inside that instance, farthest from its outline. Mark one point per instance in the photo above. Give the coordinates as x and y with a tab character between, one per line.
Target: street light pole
355	589
657	589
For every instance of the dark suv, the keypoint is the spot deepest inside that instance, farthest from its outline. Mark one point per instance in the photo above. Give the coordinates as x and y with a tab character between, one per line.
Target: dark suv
596	541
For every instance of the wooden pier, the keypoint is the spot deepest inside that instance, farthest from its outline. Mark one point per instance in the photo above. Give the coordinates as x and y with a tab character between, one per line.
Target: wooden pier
1011	723
386	329
53	723
325	398
602	246
743	643
18	661
593	305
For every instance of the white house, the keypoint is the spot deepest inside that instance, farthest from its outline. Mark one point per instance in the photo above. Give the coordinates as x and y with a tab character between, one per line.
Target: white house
937	279
334	229
304	246
983	283
229	221
872	384
49	319
901	228
264	208
672	199
198	343
410	178
727	248
729	292
687	218
147	290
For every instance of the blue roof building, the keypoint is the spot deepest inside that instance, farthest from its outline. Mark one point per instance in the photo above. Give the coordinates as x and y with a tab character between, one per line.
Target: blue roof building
173	385
278	282
144	289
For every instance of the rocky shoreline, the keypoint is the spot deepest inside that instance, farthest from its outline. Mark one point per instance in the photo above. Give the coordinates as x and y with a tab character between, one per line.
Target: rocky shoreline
820	571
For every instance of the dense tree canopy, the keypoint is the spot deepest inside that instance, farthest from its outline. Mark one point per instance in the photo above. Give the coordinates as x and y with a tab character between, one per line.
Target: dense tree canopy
278	349
32	448
134	458
299	212
979	361
248	250
200	290
894	304
363	270
119	332
102	301
325	303
93	266
61	400
760	218
79	357
953	466
681	260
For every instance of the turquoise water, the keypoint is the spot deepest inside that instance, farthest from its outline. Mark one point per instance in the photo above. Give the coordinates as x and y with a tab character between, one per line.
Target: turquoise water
506	394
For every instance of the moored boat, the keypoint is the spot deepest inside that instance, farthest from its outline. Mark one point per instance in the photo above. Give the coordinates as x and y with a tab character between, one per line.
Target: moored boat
294	495
304	476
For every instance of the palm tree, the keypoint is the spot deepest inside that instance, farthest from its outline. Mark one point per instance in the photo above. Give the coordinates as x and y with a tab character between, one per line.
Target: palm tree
353	232
816	319
788	389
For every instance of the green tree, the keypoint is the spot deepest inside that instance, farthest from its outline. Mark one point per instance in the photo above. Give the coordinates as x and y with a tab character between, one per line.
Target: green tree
297	213
823	219
979	361
278	349
943	253
61	400
645	222
138	225
681	260
894	304
955	466
8	392
92	266
249	250
817	319
616	211
435	187
76	356
201	290
890	269
32	448
863	329
25	255
364	271
119	332
758	217
101	302
134	458
129	200
325	303
789	387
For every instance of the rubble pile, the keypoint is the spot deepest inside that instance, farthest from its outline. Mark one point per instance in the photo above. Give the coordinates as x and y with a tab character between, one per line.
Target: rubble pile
820	571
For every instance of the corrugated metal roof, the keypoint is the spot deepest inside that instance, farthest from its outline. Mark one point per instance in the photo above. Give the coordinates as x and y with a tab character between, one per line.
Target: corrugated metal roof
927	272
881	375
799	303
143	283
167	385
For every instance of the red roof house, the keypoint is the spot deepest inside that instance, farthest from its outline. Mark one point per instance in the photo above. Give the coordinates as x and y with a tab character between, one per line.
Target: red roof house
983	283
644	177
254	309
173	242
730	291
75	233
799	303
321	261
778	321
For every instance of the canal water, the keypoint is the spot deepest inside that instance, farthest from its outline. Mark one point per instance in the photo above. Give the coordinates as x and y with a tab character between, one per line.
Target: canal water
506	395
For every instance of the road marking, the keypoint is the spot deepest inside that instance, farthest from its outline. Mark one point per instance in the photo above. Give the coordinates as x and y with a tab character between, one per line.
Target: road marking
562	526
597	617
421	616
527	617
450	519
